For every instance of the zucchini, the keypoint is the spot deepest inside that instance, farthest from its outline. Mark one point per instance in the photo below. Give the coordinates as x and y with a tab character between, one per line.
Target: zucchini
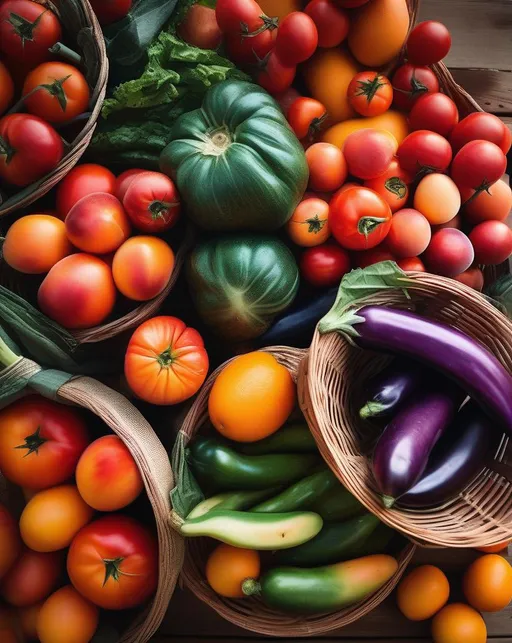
220	467
295	438
322	589
255	531
338	505
300	495
340	541
233	500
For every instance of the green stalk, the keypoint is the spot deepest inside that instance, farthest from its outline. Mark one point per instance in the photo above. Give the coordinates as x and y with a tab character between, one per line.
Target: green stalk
7	356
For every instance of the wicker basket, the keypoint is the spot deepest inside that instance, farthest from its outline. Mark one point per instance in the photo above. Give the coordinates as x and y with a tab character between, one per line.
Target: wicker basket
83	30
126	422
330	388
252	614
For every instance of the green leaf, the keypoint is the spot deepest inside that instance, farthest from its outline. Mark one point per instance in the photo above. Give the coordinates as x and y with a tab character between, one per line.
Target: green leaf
354	287
187	493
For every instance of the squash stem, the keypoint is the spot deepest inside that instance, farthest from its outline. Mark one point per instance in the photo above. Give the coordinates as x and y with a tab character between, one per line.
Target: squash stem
65	52
251	587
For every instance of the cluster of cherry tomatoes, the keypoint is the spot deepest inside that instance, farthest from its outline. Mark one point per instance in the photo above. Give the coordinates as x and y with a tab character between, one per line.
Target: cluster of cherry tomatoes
433	201
85	248
51	93
63	561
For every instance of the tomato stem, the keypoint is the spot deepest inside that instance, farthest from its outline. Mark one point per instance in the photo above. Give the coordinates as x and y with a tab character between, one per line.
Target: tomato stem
268	24
20	104
315	224
6	150
65	52
395	185
158	209
367	225
316	125
369	88
166	358
7	356
112	569
23	27
32	443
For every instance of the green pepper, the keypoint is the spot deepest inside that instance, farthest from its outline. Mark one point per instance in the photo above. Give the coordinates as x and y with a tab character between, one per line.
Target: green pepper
295	438
337	505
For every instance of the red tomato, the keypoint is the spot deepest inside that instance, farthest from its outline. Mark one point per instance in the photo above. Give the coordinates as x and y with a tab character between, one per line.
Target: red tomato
125	179
241	17
81	181
472	277
10	542
32	578
332	23
324	266
428	43
410	82
297	38
449	253
200	27
369	152
409	234
27	31
478	165
250	50
286	99
435	112
152	202
107	476
29	149
412	263
349	4
370	93
6	88
492	241
422	152
113	562
109	11
373	256
359	218
63	92
484	127
274	75
327	167
40	442
306	117
309	225
492	204
393	186
165	362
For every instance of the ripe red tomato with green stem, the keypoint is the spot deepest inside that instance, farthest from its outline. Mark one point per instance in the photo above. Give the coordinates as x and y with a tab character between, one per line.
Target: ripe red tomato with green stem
331	21
306	117
274	75
481	126
29	149
410	82
370	93
152	202
359	218
248	51
324	266
113	562
428	43
297	38
423	152
242	17
492	241
435	112
124	180
109	11
478	165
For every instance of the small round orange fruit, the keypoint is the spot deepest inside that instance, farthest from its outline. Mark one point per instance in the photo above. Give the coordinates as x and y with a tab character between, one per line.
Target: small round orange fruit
422	593
251	398
458	623
494	549
228	567
487	583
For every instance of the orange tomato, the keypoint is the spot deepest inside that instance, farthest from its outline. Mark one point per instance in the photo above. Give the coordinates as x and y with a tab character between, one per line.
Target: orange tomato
393	186
251	398
6	88
35	243
409	234
495	203
32	578
327	167
166	362
458	623
67	617
394	122
227	568
107	476
422	593
280	8
52	518
309	225
437	198
27	617
370	93
142	267
81	181
487	583
10	543
474	278
495	549
63	92
78	292
369	153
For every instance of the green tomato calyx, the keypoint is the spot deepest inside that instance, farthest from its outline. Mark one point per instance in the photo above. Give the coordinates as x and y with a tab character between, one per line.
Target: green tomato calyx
367	225
33	443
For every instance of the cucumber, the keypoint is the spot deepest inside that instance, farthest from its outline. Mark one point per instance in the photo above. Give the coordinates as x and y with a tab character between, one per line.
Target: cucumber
338	505
255	531
295	438
340	541
322	589
300	495
233	500
220	467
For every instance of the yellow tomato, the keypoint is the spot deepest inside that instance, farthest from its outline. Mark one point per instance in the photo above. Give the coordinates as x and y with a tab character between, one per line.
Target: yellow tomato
280	8
437	198
67	617
393	122
488	583
458	623
422	593
228	567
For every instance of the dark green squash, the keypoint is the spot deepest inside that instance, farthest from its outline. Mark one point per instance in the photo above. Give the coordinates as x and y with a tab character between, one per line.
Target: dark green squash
240	283
237	163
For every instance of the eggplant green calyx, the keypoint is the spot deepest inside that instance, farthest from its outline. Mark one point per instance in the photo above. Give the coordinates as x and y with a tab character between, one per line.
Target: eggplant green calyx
371	409
388	501
251	587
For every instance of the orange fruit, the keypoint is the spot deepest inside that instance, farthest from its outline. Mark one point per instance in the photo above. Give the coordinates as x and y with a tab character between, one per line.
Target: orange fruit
494	549
228	567
251	398
458	623
487	583
422	593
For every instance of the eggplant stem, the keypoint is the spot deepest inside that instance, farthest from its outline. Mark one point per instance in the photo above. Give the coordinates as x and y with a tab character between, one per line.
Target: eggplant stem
388	501
370	409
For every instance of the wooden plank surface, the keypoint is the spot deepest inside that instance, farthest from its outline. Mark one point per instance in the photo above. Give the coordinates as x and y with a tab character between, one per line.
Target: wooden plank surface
481	61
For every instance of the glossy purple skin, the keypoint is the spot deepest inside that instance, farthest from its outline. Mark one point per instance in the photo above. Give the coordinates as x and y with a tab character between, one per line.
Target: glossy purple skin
389	389
401	454
441	347
456	459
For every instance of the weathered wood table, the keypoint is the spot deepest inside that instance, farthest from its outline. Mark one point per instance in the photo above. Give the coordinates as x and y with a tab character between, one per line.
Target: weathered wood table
481	60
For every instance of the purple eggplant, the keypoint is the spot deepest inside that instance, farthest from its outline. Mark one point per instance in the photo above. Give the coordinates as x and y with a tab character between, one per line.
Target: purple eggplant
401	454
439	346
390	388
456	459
